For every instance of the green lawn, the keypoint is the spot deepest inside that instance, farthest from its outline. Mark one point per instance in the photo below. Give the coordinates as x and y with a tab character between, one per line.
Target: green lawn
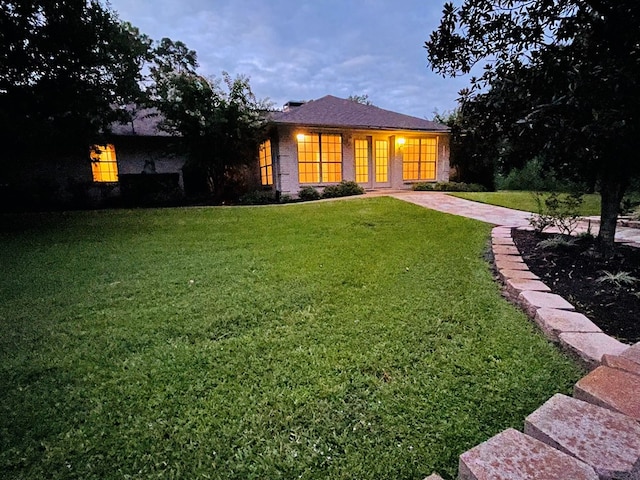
350	339
524	200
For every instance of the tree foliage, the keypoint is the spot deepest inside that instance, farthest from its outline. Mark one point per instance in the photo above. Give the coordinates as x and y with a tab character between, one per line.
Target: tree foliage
64	66
362	99
220	120
560	82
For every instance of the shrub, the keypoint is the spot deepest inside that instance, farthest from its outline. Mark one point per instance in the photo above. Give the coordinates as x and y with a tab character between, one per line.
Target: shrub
308	193
458	187
257	197
343	189
532	176
422	187
561	211
557	242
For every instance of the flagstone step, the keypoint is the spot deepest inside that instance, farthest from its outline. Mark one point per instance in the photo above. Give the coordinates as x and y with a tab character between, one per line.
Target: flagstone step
589	347
611	388
532	301
553	322
633	353
434	476
512	455
621	363
606	440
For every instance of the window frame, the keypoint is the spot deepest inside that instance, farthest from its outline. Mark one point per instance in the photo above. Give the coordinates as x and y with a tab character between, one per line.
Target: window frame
104	163
315	157
266	163
423	161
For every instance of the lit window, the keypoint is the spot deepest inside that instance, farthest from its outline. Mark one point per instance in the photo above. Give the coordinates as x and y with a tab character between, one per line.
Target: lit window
319	158
362	161
419	158
103	163
266	163
382	161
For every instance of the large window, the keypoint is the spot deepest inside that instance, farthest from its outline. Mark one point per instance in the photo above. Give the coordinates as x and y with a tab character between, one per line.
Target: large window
319	158
266	163
103	163
419	158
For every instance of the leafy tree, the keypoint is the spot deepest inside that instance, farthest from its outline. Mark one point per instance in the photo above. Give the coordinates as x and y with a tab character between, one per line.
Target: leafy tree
362	99
64	66
560	80
220	122
472	149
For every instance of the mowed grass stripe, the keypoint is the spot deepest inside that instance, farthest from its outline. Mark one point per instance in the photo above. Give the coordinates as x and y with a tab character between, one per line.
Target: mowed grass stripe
350	339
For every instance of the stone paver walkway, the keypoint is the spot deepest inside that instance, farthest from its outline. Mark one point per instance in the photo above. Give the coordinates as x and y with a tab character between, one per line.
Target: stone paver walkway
493	214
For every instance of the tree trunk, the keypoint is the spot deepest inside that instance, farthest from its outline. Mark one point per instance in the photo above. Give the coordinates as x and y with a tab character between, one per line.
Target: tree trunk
612	190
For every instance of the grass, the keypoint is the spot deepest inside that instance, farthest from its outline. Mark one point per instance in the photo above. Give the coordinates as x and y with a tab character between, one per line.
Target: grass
525	200
353	339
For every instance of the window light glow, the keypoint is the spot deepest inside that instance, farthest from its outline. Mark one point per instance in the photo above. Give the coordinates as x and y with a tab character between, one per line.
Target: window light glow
103	163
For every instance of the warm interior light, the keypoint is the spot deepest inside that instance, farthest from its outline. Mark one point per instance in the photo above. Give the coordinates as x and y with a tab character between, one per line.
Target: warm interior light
300	137
401	141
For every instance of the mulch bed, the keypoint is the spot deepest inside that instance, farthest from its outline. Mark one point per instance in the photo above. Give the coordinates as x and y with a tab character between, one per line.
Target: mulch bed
574	272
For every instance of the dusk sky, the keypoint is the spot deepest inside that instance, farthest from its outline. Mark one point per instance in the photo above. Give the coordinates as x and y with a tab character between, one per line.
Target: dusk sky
302	50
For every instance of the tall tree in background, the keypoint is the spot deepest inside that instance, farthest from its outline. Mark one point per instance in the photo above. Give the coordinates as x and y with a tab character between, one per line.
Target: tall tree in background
561	77
220	121
64	66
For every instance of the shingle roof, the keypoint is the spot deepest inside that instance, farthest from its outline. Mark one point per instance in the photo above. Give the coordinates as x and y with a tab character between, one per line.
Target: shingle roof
333	111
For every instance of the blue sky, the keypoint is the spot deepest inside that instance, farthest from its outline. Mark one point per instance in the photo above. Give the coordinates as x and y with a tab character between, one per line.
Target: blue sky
301	50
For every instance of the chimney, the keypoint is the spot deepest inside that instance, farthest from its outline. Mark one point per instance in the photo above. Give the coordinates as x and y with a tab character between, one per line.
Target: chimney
291	104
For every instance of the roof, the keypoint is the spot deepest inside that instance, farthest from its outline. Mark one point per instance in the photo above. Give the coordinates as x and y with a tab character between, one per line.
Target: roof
144	124
330	111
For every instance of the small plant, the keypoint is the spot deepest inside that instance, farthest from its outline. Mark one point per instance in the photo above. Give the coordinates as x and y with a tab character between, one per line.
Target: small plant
557	242
556	211
618	279
343	189
308	193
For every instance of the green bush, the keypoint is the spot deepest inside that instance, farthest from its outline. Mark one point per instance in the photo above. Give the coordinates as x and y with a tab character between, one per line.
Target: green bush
308	193
458	187
422	187
554	210
343	189
257	197
532	176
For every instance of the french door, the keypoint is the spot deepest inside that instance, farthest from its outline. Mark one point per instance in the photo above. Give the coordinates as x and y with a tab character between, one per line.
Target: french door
372	162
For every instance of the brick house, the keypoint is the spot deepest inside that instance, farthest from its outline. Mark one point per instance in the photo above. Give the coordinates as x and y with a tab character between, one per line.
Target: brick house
325	141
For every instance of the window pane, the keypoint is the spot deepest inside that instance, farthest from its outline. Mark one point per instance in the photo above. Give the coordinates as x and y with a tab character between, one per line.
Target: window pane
362	160
382	161
308	158
266	171
104	166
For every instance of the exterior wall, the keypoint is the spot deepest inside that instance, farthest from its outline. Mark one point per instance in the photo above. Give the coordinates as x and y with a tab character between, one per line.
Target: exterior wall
285	151
67	181
133	153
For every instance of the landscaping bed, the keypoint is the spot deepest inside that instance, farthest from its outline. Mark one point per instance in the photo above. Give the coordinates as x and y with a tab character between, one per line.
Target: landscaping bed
602	289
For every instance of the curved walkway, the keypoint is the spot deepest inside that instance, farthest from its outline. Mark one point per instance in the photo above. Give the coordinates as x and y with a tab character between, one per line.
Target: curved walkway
494	214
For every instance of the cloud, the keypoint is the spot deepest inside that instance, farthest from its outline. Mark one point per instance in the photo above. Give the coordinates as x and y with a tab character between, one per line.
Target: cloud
296	50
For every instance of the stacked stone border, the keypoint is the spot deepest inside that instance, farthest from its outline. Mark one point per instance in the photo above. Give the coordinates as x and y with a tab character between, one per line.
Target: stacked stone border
593	435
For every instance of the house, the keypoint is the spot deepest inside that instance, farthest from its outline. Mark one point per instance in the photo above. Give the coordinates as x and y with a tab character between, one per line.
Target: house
325	141
112	172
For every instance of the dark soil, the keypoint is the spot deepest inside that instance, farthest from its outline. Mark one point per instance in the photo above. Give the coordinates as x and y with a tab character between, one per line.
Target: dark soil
574	272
